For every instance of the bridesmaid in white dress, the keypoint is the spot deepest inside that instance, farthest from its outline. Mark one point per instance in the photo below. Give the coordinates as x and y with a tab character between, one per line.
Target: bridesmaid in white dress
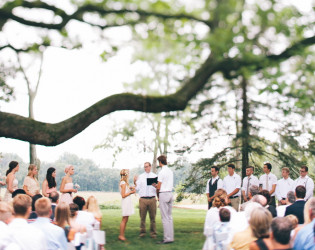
11	181
31	184
126	203
66	187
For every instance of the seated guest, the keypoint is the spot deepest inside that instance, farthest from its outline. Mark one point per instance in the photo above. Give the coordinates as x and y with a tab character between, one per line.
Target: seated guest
260	200
18	191
54	197
6	239
253	190
241	240
55	236
33	214
83	217
298	206
221	234
305	237
271	208
289	201
62	218
92	207
27	236
260	221
280	233
74	209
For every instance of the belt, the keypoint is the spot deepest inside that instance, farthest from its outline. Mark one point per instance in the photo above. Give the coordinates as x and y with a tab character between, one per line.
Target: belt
147	197
166	192
283	199
233	197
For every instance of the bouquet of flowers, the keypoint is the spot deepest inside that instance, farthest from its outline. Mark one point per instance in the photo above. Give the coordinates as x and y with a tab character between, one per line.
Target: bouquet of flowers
77	186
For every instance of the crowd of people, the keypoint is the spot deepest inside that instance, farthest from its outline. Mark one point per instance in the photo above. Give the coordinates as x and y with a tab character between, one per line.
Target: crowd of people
33	220
275	214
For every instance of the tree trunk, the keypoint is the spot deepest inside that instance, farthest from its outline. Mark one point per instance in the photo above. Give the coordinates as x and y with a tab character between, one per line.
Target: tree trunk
156	147
31	98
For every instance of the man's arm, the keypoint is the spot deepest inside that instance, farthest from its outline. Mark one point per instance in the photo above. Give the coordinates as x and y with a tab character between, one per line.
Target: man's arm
274	185
309	189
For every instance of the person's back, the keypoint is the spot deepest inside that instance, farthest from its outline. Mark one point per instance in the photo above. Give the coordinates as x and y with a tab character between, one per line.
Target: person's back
222	230
55	236
25	235
84	218
297	208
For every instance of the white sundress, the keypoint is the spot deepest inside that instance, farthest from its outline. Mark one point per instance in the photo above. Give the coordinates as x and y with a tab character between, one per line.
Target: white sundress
126	203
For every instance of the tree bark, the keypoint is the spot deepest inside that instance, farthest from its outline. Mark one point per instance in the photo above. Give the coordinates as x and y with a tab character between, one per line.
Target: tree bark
245	128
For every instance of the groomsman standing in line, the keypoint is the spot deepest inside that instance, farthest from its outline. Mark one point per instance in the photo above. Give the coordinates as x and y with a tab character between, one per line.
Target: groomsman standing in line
248	181
284	185
164	191
232	185
305	181
268	181
213	184
147	201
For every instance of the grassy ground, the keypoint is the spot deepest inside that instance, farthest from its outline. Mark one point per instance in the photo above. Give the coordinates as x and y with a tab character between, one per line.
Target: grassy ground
188	227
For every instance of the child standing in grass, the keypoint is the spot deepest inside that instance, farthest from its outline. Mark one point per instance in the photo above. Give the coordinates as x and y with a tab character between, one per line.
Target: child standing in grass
126	203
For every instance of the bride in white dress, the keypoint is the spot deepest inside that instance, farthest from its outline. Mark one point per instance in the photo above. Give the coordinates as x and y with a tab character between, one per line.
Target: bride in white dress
11	181
66	187
126	203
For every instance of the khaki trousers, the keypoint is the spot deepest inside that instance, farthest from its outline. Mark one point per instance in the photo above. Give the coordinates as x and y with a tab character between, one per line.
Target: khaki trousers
146	205
235	203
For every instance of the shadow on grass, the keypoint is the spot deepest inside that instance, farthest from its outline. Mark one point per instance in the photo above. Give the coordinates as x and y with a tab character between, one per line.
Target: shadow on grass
188	227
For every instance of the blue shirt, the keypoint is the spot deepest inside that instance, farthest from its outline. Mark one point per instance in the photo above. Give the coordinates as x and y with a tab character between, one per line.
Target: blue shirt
55	236
305	238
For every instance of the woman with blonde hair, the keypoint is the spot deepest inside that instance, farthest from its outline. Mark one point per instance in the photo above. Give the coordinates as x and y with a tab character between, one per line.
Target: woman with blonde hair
92	207
260	222
31	184
66	187
126	203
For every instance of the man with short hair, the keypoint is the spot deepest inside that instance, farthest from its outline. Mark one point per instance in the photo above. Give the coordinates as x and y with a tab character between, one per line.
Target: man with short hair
284	185
305	237
54	197
297	207
55	236
289	201
248	181
27	236
280	234
268	181
213	184
232	185
305	181
147	201
164	190
6	239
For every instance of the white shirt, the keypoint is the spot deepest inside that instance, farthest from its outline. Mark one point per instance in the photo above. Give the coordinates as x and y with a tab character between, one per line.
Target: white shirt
142	187
253	180
281	210
166	178
27	236
86	219
272	180
308	183
219	184
231	183
6	239
283	187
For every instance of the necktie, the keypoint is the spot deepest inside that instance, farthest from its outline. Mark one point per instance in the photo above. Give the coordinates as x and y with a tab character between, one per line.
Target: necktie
247	185
267	183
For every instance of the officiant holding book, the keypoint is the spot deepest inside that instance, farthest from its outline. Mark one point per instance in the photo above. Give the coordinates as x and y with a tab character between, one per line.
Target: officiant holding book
147	200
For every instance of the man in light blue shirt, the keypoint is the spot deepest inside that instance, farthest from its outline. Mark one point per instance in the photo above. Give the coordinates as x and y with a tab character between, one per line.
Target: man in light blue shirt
55	236
305	237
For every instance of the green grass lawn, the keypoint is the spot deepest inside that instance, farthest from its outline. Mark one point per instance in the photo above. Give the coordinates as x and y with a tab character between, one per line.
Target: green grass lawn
188	227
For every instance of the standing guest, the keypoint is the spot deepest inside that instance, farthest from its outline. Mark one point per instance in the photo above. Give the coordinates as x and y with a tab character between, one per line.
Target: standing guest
147	201
298	206
55	236
268	181
260	222
83	217
62	218
93	208
305	237
272	209
33	215
31	184
213	184
280	233
49	184
289	201
27	236
11	181
164	190
232	184
54	198
305	181
248	181
126	202
6	236
284	185
66	187
253	190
